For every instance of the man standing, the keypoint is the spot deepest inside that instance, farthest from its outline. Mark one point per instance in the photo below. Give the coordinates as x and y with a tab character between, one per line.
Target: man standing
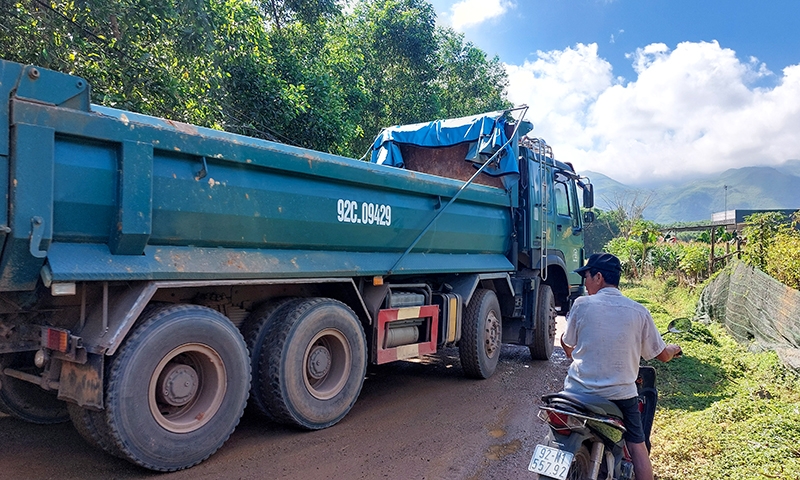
606	335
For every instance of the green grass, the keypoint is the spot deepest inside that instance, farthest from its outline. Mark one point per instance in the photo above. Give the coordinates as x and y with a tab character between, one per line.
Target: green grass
724	412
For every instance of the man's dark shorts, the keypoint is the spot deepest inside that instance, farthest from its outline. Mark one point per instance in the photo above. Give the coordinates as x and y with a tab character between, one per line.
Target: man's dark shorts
632	420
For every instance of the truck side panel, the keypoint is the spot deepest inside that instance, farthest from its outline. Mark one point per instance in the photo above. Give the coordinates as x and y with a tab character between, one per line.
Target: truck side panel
277	203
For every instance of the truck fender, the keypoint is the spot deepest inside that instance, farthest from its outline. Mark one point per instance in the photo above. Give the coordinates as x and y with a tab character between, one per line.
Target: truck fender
553	259
465	285
555	275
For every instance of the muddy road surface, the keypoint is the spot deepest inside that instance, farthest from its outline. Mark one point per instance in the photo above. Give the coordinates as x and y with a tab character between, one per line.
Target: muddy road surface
413	420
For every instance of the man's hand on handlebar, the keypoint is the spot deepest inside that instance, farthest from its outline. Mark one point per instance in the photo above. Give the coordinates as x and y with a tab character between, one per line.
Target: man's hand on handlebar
670	351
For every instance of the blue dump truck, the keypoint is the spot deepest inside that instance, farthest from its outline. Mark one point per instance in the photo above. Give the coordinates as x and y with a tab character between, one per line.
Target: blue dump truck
156	276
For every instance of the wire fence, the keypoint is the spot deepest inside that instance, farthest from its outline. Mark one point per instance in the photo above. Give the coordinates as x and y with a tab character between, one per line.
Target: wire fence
756	310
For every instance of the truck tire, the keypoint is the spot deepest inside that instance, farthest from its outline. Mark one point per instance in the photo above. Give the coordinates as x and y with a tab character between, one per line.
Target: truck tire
92	427
544	333
177	387
314	365
256	330
24	400
481	335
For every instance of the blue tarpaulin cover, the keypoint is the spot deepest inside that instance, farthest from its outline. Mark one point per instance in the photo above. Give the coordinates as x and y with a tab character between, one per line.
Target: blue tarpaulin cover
485	134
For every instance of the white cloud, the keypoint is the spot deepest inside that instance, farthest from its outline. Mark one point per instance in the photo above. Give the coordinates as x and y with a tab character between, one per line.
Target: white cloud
691	110
468	13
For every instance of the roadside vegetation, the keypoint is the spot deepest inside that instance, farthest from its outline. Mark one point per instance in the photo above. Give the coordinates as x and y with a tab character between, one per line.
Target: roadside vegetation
724	411
773	245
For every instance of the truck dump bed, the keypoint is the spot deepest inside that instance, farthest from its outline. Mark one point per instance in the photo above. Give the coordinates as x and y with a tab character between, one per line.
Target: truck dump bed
101	194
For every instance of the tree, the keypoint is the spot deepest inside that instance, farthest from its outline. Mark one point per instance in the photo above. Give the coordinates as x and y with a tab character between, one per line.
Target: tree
396	40
598	233
294	71
759	234
284	12
628	208
467	82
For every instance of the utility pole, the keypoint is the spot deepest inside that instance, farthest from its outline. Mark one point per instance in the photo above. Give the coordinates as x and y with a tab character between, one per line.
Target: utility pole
726	203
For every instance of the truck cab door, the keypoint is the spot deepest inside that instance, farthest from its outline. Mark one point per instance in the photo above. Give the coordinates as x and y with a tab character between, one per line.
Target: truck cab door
567	236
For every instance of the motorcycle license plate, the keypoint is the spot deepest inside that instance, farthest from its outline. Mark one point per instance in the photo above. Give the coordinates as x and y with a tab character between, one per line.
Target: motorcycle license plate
551	462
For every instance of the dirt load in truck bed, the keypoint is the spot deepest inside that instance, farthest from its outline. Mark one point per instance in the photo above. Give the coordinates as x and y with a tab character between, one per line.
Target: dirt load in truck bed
446	162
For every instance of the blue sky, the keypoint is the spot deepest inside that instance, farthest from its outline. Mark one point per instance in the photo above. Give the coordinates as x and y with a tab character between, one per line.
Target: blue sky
651	89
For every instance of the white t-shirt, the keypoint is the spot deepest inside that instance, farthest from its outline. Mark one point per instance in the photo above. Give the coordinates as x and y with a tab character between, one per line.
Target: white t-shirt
610	333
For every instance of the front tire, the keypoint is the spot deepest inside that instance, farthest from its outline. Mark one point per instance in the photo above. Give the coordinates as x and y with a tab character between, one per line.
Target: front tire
314	365
481	337
24	400
544	333
177	387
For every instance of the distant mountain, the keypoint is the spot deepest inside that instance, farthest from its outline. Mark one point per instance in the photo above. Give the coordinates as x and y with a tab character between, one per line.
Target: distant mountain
747	188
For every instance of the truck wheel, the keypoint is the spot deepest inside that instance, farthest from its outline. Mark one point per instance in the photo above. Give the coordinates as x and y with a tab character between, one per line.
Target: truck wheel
314	365
177	387
479	348
544	333
92	426
256	330
24	400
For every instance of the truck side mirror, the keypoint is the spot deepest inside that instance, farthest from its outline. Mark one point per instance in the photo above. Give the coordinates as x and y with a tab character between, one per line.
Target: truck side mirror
588	195
588	216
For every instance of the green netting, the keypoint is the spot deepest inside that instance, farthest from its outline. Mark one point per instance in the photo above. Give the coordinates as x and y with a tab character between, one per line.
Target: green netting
756	309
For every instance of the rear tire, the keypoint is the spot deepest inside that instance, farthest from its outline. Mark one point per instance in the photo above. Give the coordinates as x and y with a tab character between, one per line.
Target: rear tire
256	331
92	427
581	465
177	387
24	400
544	333
314	365
481	337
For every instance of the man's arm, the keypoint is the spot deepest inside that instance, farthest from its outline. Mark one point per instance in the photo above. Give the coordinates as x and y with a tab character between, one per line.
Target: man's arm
670	351
567	349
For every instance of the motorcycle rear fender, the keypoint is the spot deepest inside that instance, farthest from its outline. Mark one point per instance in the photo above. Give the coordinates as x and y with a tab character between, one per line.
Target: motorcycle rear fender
569	443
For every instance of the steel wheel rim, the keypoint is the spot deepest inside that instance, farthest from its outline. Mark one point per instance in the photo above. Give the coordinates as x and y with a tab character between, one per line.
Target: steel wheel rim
492	334
187	388
551	322
326	364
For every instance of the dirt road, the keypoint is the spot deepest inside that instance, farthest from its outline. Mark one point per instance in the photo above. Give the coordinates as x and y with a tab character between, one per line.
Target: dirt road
413	420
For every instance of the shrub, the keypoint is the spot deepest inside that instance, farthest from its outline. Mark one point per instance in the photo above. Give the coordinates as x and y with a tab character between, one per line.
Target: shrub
759	234
772	244
694	260
783	258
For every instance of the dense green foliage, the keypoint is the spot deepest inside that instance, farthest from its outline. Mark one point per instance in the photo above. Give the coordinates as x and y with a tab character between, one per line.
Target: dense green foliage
305	73
643	250
724	412
772	244
605	227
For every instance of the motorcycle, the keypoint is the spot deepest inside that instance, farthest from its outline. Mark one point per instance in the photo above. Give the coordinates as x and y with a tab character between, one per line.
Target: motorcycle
585	438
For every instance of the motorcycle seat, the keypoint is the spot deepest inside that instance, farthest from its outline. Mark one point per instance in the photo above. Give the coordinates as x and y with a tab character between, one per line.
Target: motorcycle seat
591	403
